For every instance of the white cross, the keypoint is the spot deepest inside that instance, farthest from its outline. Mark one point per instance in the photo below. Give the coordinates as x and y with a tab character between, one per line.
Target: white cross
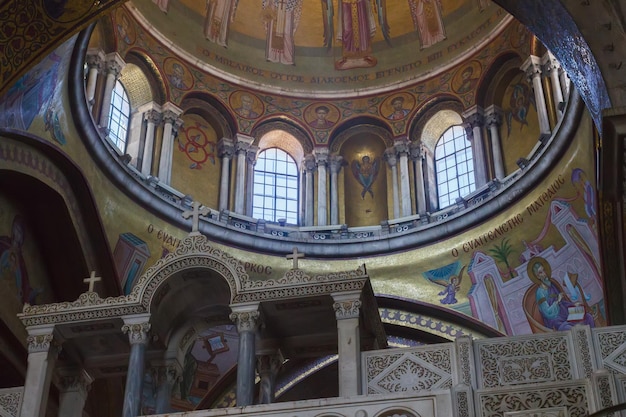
295	255
195	213
92	280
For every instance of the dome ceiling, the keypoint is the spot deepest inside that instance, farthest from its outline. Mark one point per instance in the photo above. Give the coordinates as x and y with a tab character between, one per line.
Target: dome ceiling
323	48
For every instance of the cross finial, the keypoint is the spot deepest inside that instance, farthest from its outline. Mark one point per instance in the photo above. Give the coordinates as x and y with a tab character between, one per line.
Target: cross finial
295	255
195	214
92	280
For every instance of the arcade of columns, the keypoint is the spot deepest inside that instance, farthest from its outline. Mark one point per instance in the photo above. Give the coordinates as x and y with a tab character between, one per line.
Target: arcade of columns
319	166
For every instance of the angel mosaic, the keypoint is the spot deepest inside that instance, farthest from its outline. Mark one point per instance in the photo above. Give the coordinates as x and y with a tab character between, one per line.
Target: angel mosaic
365	173
450	282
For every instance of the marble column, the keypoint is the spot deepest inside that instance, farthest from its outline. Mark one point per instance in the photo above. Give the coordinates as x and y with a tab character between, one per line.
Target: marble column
268	366
226	151
73	384
417	156
113	66
392	160
336	162
164	377
532	68
43	351
94	60
250	163
247	320
171	124
141	135
137	328
474	117
347	308
551	68
493	120
321	160
564	80
241	148
402	151
309	167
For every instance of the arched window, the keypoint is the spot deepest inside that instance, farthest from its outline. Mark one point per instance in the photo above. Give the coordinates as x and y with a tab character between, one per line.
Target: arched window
118	116
454	166
275	190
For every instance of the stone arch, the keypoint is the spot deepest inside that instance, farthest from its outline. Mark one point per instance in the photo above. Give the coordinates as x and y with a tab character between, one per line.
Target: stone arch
194	252
290	127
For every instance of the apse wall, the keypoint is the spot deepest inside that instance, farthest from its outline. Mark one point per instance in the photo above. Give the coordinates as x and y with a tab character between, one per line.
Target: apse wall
476	264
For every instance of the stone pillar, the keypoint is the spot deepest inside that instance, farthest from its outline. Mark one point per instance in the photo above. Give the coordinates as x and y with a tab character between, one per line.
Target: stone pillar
390	157
152	118
171	124
226	150
268	366
336	161
347	308
250	163
321	159
309	166
94	60
532	68
564	80
551	68
417	156
493	120
402	151
241	148
73	384
137	328
164	377
247	319
475	120
112	68
42	355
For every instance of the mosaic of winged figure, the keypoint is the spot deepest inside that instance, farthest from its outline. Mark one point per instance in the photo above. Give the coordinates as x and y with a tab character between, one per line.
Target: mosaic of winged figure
365	173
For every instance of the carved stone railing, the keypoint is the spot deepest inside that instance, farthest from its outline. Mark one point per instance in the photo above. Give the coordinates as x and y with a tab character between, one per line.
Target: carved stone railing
11	401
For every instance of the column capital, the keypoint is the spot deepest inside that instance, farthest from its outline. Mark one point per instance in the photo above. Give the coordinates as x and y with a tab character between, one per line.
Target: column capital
152	116
321	156
402	146
335	163
171	113
168	372
247	320
417	150
549	63
73	379
474	116
137	328
225	148
114	64
532	66
242	143
347	305
269	362
251	154
309	163
390	156
347	309
493	116
95	58
42	339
